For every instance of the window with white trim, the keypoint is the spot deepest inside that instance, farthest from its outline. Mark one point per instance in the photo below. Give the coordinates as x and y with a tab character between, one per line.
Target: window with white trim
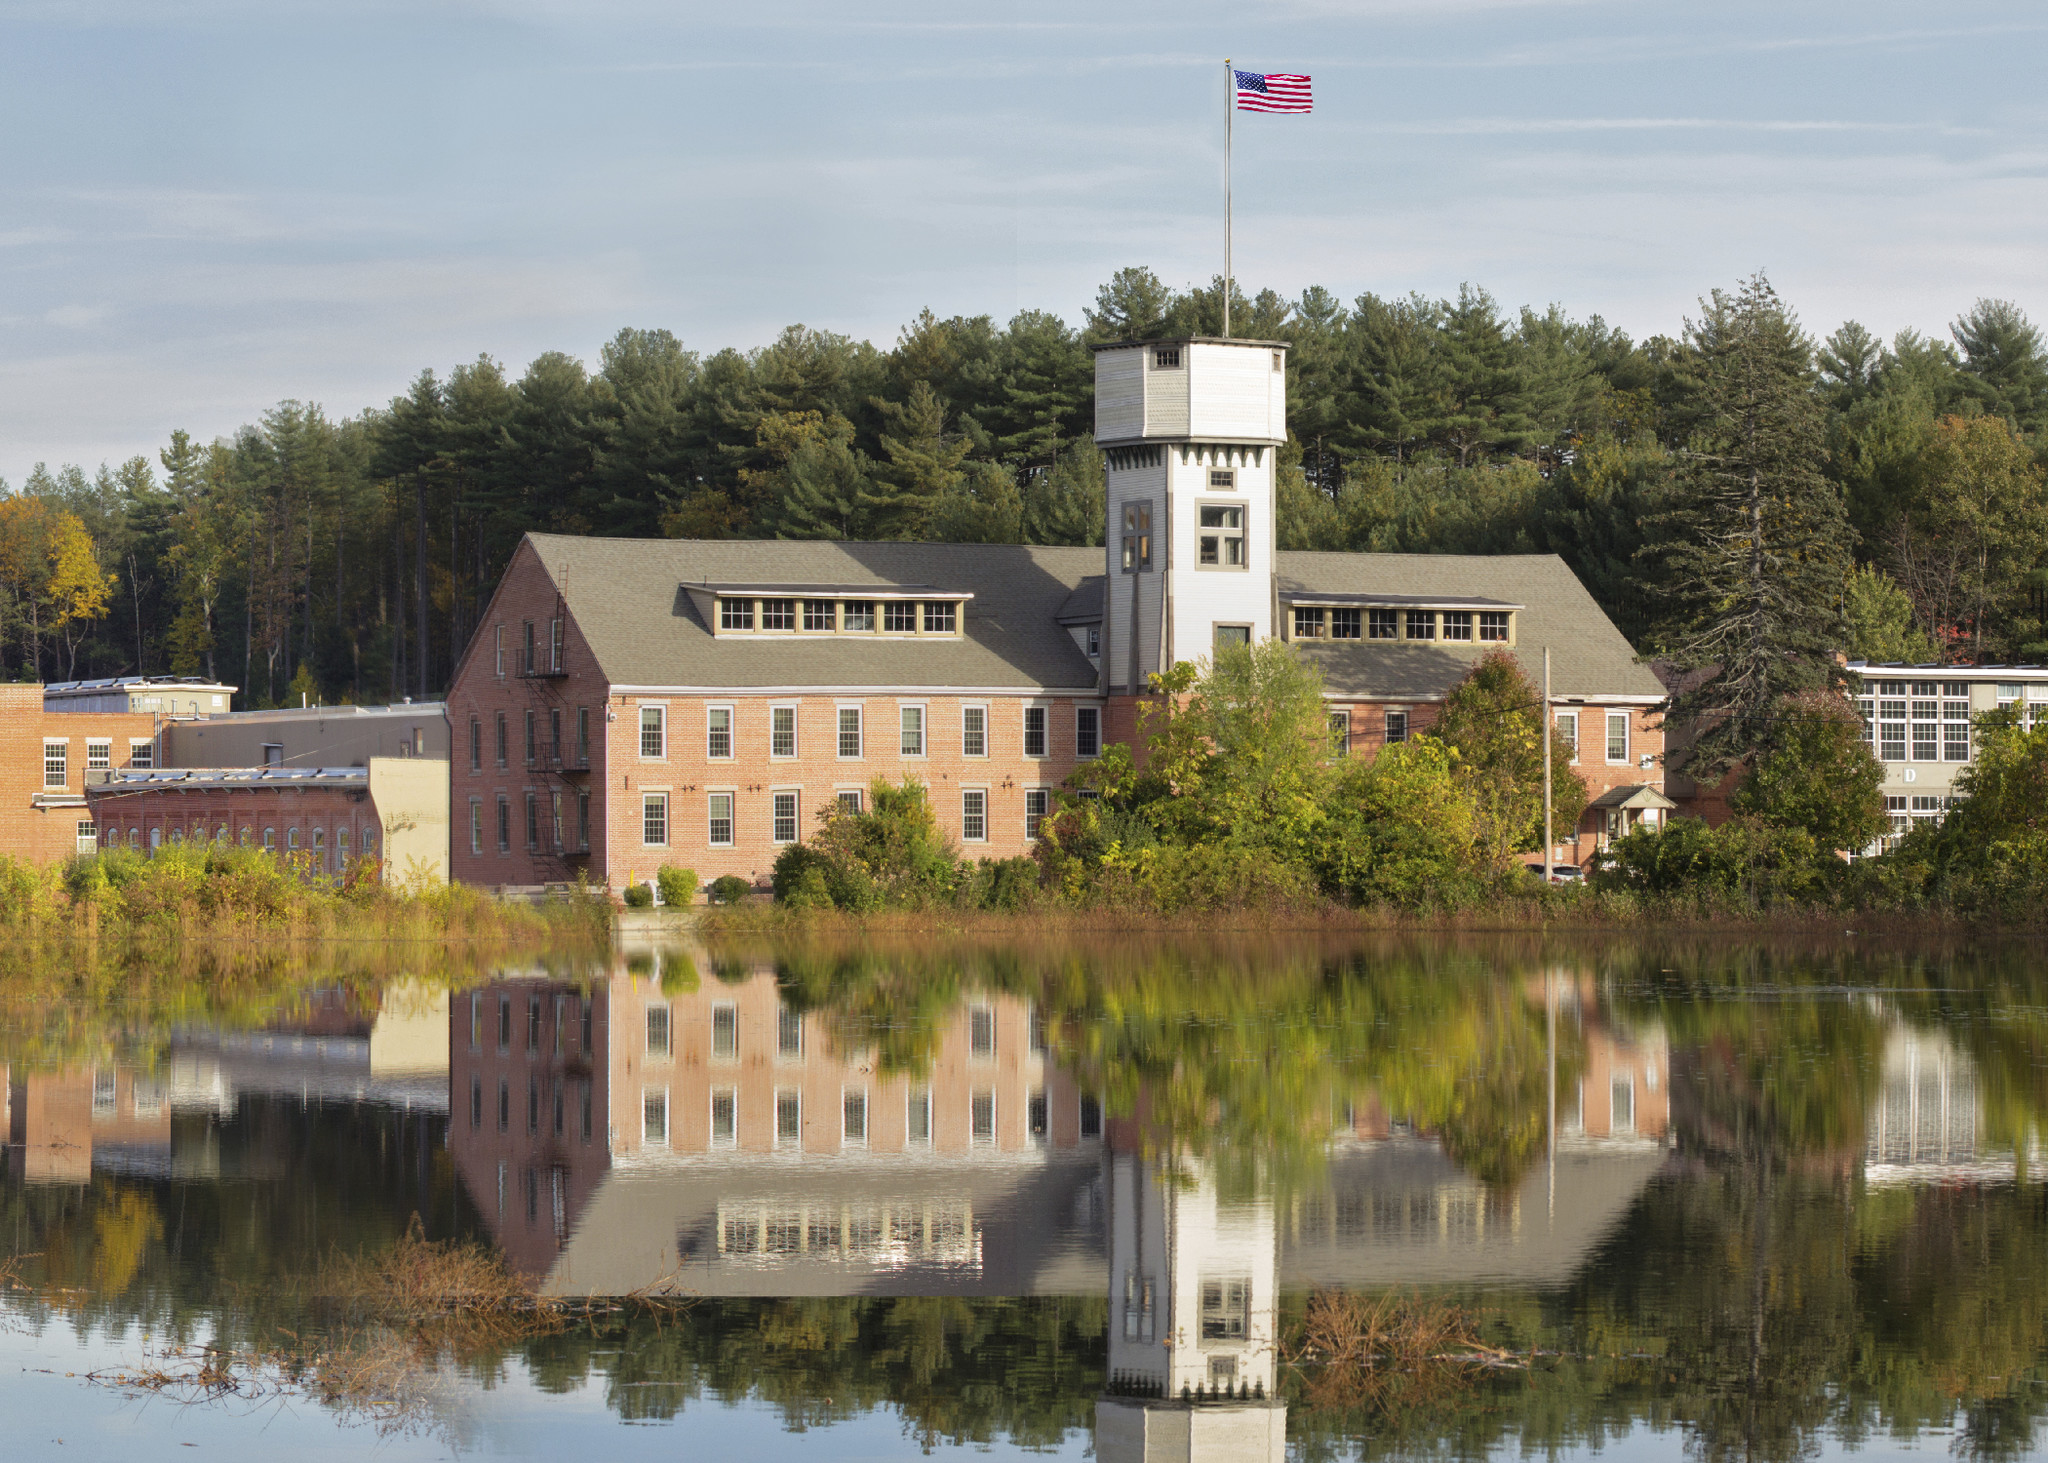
1037	803
1568	730
849	801
99	756
981	1033
1617	736
658	1045
476	825
142	754
1087	731
857	615
1955	721
974	731
1035	737
56	758
912	718
1891	721
725	1117
718	732
1493	625
783	824
778	614
918	1116
789	1116
849	731
653	819
982	1117
941	617
1397	727
654	1117
719	832
653	732
1340	733
735	614
974	815
501	651
853	1122
1926	721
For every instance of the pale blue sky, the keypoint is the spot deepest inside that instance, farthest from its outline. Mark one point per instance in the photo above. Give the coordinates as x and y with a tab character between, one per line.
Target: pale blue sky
208	205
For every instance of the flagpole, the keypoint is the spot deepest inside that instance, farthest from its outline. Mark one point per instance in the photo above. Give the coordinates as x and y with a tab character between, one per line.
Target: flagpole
1229	88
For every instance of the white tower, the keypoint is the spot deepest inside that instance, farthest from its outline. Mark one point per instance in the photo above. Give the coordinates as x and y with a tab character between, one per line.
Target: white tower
1191	429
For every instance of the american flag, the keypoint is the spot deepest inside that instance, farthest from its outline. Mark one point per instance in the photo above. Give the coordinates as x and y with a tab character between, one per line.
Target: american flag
1274	92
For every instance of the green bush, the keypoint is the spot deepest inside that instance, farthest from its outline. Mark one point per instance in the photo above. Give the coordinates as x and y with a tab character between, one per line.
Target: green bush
729	889
1008	885
639	896
677	886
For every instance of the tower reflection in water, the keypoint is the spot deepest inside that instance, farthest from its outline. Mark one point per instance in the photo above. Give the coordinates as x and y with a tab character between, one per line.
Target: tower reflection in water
648	1132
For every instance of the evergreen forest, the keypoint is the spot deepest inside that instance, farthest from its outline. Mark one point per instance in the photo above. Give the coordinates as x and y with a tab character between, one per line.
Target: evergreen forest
350	558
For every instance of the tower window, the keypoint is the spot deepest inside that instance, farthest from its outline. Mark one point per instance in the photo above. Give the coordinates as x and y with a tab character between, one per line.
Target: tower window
1279	360
1223	477
1221	542
1166	358
1137	538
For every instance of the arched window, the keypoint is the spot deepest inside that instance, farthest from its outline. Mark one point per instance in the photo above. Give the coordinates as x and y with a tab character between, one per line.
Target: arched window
135	838
156	839
177	837
220	833
340	847
291	838
247	834
269	839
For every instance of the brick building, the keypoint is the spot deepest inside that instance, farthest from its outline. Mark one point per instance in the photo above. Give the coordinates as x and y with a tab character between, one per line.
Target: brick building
47	759
632	703
394	809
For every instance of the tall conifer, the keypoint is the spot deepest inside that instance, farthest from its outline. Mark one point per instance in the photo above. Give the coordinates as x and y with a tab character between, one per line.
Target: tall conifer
1749	559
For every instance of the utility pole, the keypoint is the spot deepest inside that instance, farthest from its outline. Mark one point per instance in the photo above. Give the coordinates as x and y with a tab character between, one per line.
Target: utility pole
1546	766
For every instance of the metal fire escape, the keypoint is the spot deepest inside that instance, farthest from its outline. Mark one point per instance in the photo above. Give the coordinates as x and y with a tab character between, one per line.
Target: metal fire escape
557	748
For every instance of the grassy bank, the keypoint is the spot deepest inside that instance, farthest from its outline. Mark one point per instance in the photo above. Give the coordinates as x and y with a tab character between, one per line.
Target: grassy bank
215	893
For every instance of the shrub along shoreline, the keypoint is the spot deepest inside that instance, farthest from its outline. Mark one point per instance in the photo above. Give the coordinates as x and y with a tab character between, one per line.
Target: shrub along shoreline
218	892
1240	810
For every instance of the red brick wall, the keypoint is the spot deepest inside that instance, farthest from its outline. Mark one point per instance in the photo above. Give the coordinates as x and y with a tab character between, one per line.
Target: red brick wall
618	777
1646	736
44	833
176	814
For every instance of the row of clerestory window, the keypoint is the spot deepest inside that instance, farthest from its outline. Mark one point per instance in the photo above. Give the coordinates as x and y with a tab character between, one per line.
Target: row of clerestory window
839	616
1314	622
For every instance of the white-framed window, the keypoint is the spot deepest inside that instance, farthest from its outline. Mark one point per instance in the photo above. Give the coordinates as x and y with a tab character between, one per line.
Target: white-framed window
653	819
725	1032
1419	624
56	763
1396	725
1222	479
1617	736
735	614
476	744
1340	733
658	1044
476	825
1493	625
718	733
1037	803
555	645
654	1117
857	616
291	839
913	730
821	616
853	1117
1093	637
849	733
1166	358
725	1117
782	731
99	756
899	616
981	1033
1621	1103
1037	738
783	816
1926	721
500	638
1087	731
918	1125
848	799
653	733
789	1117
141	754
941	617
982	1117
719	826
1457	625
1955	721
1220	540
1568	728
974	731
789	1035
974	815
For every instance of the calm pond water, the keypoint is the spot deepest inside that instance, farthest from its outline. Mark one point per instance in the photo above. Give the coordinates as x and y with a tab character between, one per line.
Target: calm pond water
1100	1200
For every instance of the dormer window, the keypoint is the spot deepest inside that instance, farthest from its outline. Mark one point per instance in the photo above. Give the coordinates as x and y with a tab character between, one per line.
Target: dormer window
1166	358
819	615
778	614
857	614
900	617
735	614
939	618
1308	623
1493	625
818	610
1421	624
1457	624
1379	624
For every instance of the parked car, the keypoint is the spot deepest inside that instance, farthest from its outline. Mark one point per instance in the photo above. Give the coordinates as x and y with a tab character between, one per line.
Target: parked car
1560	873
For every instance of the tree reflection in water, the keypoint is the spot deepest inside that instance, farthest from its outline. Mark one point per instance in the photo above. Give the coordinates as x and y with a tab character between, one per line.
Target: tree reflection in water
1017	1193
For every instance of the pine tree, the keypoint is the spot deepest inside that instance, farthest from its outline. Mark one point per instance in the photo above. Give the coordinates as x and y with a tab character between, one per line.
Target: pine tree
1748	562
924	466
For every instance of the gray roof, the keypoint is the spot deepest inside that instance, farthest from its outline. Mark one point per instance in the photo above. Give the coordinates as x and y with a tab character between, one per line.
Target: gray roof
1588	656
628	601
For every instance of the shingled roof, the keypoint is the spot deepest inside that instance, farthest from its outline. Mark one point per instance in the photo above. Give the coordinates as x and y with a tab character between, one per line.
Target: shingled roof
1588	656
628	600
